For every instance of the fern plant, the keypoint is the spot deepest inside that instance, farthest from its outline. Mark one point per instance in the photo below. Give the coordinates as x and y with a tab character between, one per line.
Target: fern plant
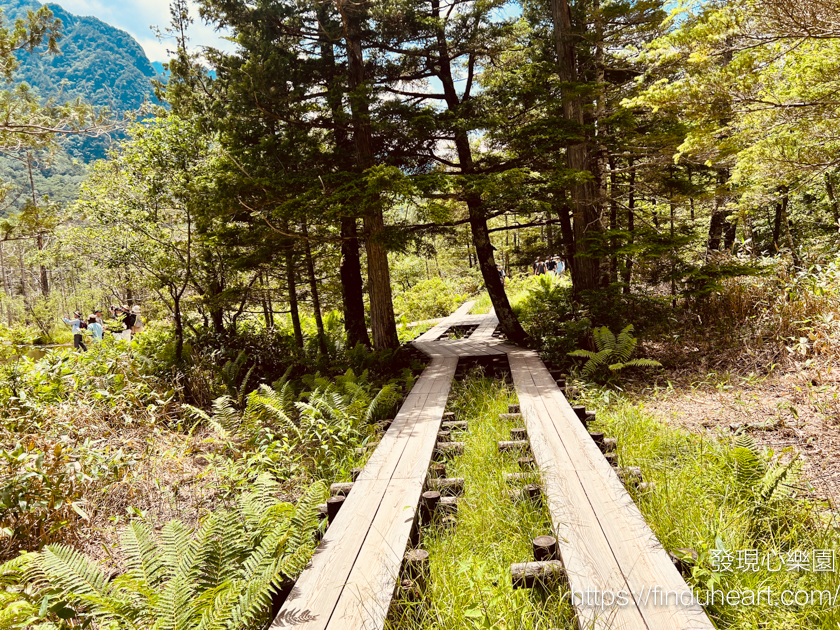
760	482
612	354
222	575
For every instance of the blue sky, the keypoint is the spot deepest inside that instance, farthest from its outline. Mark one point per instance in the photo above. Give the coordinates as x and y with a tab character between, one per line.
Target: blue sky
137	16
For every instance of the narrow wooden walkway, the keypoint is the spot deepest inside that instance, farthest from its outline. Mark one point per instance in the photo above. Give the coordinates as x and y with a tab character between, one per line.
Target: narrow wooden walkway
605	545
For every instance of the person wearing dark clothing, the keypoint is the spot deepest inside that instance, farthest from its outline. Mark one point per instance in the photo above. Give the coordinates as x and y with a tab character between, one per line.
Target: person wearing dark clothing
129	320
502	274
539	267
550	265
78	325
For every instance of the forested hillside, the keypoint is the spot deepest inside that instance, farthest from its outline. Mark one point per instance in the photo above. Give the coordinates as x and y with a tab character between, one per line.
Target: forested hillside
632	208
101	65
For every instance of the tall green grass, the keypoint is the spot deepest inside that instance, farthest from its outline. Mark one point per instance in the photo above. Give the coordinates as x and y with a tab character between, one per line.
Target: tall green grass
469	583
707	498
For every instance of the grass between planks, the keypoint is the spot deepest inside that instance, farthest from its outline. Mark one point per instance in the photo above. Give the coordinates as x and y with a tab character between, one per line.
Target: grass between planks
469	583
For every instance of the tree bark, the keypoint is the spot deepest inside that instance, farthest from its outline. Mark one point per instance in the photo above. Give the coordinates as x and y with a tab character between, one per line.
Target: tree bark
613	222
352	287
313	289
586	209
45	284
832	196
477	213
382	320
293	301
718	223
350	267
786	224
631	218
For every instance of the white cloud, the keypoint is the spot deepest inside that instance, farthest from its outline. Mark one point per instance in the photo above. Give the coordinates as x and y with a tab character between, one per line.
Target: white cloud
138	16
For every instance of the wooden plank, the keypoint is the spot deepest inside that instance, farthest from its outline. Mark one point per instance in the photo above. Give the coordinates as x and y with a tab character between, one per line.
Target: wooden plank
352	556
435	332
643	562
365	601
584	548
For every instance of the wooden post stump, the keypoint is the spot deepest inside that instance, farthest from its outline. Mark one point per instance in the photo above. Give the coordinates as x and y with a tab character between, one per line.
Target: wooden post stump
448	505
341	489
447	485
510	416
532	491
513	408
437	471
608	445
519	433
545	548
526	463
355	472
333	506
444	436
531	574
428	505
444	449
518	445
612	458
455	425
580	411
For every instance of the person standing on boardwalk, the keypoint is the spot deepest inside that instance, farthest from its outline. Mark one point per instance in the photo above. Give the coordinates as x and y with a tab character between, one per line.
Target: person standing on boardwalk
502	274
539	267
78	325
550	265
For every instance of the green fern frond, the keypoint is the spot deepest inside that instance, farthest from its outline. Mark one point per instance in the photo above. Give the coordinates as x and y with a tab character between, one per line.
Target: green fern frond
604	339
142	556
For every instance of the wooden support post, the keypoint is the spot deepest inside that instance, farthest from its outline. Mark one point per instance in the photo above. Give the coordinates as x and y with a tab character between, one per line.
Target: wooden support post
437	471
355	472
416	567
532	491
526	463
444	436
444	449
449	485
608	445
518	445
630	475
510	416
519	433
531	574
545	548
597	437
322	511
342	489
428	505
333	506
448	505
513	408
684	559
448	415
519	477
612	458
580	411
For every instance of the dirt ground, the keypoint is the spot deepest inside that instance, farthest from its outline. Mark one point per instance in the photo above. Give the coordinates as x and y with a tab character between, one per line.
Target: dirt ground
795	406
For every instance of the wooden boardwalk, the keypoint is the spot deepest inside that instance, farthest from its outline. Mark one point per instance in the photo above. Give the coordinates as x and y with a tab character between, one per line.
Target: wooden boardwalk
605	545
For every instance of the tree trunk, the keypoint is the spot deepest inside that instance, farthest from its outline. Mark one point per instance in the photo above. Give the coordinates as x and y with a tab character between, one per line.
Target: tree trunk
477	214
777	226
832	196
586	209
613	222
786	224
293	301
45	285
313	289
564	213
382	319
352	287
631	218
23	290
718	223
179	326
350	268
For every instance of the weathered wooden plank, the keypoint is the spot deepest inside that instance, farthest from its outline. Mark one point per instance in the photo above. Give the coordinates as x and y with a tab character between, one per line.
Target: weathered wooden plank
584	549
638	555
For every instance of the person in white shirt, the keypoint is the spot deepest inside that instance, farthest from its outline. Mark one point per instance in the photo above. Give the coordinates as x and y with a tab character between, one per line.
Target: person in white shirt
78	325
